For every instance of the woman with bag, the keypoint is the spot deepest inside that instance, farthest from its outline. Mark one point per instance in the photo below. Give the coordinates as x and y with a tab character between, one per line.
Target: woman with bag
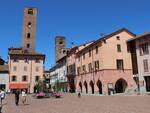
24	96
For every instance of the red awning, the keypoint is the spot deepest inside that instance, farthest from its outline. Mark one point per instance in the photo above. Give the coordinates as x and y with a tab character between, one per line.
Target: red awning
18	85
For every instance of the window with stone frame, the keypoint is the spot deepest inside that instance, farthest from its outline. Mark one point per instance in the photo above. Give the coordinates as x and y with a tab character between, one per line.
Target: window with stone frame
90	67
26	60
78	70
96	48
37	78
61	43
37	68
89	53
14	78
96	65
24	78
28	35
78	58
28	45
30	11
29	24
118	48
120	64
25	68
143	48
118	37
145	65
83	55
37	60
84	69
15	59
14	68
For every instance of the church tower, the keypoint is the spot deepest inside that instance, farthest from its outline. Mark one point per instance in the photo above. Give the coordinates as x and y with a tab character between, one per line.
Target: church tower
29	30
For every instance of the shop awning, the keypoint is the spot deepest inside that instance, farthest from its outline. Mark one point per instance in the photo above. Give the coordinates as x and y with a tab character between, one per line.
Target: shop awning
18	85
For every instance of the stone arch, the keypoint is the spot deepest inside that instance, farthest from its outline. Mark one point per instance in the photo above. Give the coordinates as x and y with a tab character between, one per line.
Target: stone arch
120	85
86	86
80	85
92	86
99	85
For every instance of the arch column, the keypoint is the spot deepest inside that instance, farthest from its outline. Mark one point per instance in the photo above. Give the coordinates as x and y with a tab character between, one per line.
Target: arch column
92	87
86	87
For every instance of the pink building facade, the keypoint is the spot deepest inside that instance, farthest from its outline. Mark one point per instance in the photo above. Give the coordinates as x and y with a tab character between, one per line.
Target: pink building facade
71	65
105	66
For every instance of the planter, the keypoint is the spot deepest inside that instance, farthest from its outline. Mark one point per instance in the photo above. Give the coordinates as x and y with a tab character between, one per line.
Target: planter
57	94
40	95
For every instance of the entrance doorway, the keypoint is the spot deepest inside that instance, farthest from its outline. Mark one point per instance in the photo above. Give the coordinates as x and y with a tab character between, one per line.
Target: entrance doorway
120	86
92	86
35	89
147	81
99	85
86	87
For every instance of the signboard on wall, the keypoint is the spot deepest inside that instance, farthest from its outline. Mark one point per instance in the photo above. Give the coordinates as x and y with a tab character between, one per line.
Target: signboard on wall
110	85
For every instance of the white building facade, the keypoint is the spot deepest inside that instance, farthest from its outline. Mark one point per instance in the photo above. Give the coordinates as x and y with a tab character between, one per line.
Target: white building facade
142	52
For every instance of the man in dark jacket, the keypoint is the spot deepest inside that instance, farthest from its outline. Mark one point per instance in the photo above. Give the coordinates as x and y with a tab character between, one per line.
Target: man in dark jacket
17	92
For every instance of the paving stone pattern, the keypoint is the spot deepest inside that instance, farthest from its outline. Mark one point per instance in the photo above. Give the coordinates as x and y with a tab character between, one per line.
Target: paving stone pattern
70	103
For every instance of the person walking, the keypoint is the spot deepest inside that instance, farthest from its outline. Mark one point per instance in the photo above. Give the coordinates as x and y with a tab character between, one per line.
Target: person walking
17	93
2	95
24	96
1	102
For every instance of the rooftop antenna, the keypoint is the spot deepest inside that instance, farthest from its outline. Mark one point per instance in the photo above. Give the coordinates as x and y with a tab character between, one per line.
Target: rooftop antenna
102	34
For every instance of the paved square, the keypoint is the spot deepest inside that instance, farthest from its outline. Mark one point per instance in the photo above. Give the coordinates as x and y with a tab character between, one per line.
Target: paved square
86	104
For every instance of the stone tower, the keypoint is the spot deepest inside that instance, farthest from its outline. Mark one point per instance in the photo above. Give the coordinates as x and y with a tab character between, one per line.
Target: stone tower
29	30
60	47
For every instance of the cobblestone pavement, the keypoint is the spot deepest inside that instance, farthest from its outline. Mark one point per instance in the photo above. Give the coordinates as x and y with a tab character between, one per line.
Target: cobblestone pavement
86	104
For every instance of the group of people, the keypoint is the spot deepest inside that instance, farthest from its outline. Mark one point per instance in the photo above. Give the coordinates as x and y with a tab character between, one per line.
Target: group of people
23	96
17	96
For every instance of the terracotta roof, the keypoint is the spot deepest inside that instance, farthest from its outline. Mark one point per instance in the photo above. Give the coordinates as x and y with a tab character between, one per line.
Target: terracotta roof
64	57
139	36
27	54
1	61
19	51
106	37
76	47
56	66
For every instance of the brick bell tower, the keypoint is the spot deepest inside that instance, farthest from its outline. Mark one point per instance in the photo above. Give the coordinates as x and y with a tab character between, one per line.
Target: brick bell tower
29	30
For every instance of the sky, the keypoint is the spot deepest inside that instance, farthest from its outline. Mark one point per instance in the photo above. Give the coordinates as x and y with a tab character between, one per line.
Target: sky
79	21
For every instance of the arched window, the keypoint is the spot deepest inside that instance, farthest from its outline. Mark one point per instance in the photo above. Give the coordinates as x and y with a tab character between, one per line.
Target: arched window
29	24
30	11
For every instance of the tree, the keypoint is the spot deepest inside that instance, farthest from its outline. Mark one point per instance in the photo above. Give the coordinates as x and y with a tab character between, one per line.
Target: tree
39	86
57	86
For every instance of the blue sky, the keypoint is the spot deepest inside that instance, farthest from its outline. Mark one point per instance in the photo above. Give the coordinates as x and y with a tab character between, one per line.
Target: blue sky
78	20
